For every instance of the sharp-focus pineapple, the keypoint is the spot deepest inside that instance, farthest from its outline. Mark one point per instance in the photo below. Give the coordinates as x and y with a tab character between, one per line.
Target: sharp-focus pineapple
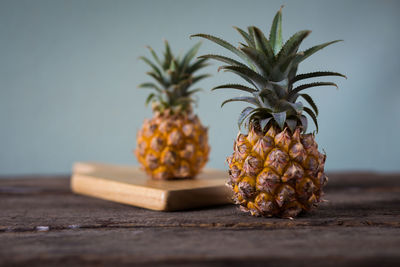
173	144
276	168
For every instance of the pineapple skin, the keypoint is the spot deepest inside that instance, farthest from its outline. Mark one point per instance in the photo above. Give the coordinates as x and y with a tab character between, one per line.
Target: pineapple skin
172	146
276	174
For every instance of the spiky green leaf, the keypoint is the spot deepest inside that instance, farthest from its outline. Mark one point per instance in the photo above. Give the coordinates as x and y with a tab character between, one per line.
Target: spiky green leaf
297	107
153	53
181	87
200	77
312	115
291	123
224	44
275	34
150	86
263	44
193	91
174	72
248	74
296	90
259	60
269	97
224	59
245	36
311	102
159	79
190	55
260	113
315	75
152	65
243	115
242	45
167	55
185	100
312	50
247	99
173	66
304	122
292	45
235	86
251	34
200	63
282	67
292	109
264	122
280	118
149	98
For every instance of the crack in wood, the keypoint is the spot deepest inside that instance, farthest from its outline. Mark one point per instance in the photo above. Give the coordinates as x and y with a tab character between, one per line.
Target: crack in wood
219	226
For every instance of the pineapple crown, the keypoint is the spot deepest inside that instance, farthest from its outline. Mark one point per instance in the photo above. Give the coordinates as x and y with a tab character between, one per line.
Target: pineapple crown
271	70
173	77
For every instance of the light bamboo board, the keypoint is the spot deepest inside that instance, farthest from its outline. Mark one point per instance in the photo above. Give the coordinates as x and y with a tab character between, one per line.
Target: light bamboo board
129	185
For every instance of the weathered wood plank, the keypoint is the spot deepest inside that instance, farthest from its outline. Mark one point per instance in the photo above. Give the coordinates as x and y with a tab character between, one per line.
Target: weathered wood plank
307	246
360	225
25	214
26	204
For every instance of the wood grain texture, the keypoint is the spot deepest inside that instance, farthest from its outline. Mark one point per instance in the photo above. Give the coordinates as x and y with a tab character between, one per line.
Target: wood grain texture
129	185
359	226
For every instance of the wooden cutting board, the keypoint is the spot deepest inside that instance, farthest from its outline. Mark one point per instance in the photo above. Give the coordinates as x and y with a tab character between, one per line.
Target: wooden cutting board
129	185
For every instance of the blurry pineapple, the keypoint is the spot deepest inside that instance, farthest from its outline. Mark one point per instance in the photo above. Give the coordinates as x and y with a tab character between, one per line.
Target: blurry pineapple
276	168
173	144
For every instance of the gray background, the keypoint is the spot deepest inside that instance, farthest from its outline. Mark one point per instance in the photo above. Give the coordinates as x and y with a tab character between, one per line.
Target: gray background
69	71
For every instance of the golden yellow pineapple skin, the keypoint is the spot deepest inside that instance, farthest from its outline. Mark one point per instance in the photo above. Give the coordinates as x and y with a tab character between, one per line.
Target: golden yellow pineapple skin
277	173
172	146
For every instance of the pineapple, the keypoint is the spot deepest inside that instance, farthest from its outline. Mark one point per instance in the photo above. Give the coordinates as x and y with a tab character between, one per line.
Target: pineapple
276	168
173	144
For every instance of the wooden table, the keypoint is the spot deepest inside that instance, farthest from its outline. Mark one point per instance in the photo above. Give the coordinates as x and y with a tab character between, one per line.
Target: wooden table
42	224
